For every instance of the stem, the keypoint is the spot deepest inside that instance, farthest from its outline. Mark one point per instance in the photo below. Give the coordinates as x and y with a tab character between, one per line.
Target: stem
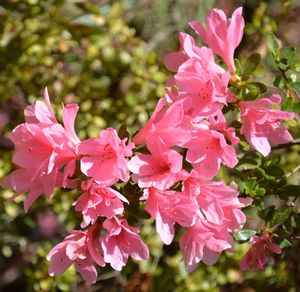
286	79
293	171
287	145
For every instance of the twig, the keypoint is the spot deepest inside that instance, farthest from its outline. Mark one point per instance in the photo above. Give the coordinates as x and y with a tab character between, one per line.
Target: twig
287	145
293	171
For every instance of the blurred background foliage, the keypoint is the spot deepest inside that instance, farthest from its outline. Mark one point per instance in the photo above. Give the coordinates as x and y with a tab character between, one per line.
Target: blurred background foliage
107	56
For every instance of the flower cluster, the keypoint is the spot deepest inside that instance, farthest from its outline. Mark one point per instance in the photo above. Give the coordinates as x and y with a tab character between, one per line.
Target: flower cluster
188	125
46	155
186	141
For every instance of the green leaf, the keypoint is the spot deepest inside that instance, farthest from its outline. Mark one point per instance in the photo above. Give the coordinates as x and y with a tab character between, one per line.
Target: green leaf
284	64
239	68
244	235
246	165
289	105
250	185
123	133
273	44
289	53
244	146
289	191
296	85
297	219
256	88
279	81
267	213
280	215
252	63
285	243
260	192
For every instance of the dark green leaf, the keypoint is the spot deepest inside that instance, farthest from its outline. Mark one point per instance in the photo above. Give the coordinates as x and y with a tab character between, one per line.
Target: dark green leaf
289	53
279	81
267	213
273	44
289	191
284	64
250	185
260	87
280	215
297	219
252	63
123	133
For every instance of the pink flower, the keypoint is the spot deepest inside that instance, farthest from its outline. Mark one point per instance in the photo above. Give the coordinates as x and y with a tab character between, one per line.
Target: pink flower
222	35
218	203
40	112
168	208
104	158
160	169
261	123
256	257
98	201
218	123
204	242
205	92
207	150
45	152
164	122
80	248
221	214
120	242
188	50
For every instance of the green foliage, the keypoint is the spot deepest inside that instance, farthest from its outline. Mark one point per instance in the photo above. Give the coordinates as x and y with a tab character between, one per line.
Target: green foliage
244	235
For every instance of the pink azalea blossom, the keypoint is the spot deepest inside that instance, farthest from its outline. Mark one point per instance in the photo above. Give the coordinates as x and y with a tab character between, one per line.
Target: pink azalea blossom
188	50
262	124
207	150
204	91
204	242
221	214
218	202
120	242
160	169
104	158
218	123
45	152
164	122
222	35
80	248
168	208
256	257
40	112
98	201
